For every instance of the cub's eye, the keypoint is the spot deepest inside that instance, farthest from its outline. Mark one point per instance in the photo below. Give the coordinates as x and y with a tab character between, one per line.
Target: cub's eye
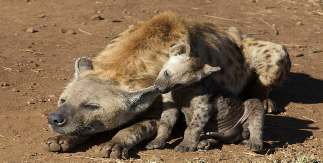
62	101
167	74
91	106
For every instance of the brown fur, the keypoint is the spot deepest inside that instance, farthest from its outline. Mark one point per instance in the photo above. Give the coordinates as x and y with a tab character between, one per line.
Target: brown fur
109	94
141	52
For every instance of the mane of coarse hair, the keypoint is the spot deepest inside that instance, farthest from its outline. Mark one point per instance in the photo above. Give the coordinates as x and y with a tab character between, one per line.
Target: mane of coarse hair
135	57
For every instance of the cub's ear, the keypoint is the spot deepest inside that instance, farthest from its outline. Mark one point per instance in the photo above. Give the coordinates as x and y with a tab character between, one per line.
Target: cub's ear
208	70
81	65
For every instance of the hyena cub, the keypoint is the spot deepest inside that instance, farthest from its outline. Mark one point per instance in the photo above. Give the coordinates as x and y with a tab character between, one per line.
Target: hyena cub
269	61
231	120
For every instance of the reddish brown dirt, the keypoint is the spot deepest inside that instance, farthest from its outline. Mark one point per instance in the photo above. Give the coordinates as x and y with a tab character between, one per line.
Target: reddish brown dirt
34	67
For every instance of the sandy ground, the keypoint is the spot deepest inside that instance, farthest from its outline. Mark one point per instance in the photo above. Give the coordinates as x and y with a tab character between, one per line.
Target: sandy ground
39	40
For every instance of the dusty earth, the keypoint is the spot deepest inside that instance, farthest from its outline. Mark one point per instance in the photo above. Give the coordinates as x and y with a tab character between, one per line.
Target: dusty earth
39	40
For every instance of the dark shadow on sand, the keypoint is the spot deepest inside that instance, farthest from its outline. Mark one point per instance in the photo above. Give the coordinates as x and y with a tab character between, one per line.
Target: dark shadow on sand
282	130
299	88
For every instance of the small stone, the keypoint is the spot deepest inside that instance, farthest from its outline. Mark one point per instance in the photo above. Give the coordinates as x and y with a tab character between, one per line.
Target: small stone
254	1
63	30
125	11
31	102
299	23
4	84
15	90
299	55
41	16
156	11
97	17
116	21
317	51
31	30
71	32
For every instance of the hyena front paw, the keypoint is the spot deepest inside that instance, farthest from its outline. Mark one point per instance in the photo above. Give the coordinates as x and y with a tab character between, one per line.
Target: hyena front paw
157	143
186	147
60	143
114	151
255	145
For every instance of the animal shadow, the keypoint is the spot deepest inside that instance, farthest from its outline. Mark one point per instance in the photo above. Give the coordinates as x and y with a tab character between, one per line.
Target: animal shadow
282	130
299	88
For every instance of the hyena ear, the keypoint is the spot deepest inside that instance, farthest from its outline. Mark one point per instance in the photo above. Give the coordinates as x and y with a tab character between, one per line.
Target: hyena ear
180	48
81	65
140	100
208	70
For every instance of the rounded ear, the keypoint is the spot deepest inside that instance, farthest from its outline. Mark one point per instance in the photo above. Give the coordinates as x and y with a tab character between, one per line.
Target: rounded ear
180	48
81	65
207	69
140	100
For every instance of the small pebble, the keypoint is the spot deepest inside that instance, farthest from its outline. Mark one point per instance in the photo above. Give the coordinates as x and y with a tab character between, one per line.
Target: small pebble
317	51
70	31
31	102
15	90
299	23
4	84
125	11
31	30
116	21
156	11
41	16
97	17
299	55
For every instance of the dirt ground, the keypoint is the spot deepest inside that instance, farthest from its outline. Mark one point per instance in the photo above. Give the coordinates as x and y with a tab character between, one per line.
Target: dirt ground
39	40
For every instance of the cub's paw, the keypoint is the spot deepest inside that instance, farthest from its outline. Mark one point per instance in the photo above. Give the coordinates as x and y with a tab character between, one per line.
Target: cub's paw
255	145
114	151
206	144
185	147
157	143
60	143
271	107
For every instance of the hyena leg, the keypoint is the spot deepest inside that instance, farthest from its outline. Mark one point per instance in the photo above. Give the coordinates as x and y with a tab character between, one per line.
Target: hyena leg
201	115
64	143
254	124
127	138
259	91
167	122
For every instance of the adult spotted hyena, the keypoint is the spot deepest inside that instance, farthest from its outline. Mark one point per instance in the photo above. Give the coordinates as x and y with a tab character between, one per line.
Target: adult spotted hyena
269	62
114	91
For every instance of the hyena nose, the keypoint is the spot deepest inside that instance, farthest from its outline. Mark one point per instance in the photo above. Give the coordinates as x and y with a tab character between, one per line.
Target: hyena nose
56	119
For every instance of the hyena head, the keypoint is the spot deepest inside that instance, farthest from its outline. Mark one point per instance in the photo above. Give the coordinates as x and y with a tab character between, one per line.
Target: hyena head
89	105
182	70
